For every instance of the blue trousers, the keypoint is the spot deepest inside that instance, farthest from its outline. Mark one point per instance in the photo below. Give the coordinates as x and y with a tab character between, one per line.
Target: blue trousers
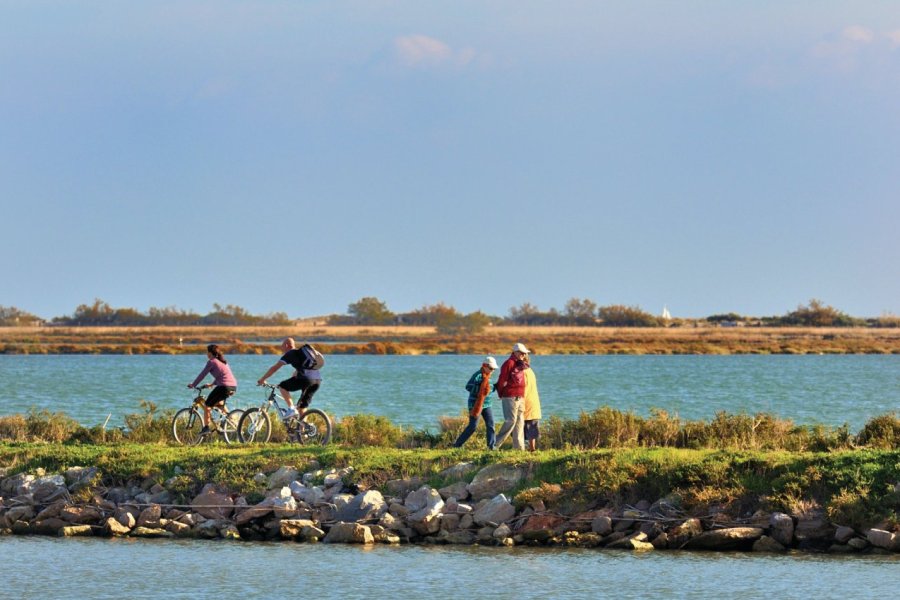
488	417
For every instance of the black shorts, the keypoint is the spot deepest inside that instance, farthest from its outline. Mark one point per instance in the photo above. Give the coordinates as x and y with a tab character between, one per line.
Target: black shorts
531	430
301	382
219	393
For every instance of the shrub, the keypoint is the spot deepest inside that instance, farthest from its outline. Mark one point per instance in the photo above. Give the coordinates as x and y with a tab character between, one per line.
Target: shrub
368	430
880	432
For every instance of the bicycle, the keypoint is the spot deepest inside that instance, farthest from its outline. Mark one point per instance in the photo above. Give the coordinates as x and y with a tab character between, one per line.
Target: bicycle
256	425
187	422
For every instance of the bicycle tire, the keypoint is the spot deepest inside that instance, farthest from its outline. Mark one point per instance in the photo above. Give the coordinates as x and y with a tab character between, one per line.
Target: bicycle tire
315	428
254	426
186	426
230	424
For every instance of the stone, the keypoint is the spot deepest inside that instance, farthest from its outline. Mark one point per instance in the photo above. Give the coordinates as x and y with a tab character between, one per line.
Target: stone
497	511
49	488
76	531
230	532
284	507
423	503
466	522
333	479
450	522
126	517
495	479
349	533
781	528
814	532
548	523
680	535
19	513
502	532
840	549
283	477
768	544
881	539
398	510
458	471
628	542
254	512
289	529
178	528
456	490
429	525
150	516
114	527
858	543
310	495
601	525
402	487
151	532
729	538
311	533
843	534
81	515
363	507
661	542
212	503
537	535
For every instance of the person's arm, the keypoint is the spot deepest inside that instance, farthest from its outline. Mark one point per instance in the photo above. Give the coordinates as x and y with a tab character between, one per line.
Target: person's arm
503	380
202	374
270	372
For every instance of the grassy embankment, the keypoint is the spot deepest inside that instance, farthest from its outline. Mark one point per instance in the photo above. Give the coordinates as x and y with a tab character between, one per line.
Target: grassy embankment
732	463
424	340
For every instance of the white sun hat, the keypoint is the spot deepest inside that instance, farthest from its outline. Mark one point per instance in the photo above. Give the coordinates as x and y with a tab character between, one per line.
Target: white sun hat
520	347
489	361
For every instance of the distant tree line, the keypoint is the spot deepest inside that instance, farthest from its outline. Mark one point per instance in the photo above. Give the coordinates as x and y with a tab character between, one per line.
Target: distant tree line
99	313
446	319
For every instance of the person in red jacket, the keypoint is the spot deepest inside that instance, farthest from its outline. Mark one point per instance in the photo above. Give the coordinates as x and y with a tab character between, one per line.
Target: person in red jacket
511	389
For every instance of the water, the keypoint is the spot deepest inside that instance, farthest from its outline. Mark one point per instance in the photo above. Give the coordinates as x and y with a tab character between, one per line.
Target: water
38	567
417	390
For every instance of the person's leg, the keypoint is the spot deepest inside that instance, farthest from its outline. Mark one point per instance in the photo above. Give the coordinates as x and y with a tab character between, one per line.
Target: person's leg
217	395
518	433
309	387
467	432
286	387
491	435
509	420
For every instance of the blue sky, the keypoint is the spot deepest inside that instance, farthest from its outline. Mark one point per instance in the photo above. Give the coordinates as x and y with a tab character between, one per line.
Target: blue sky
297	156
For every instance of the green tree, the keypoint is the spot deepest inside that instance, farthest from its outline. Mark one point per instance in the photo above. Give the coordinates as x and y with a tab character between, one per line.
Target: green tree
618	315
819	314
581	312
11	316
370	311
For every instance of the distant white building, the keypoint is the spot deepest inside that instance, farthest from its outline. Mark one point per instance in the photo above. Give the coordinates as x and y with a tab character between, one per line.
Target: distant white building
666	314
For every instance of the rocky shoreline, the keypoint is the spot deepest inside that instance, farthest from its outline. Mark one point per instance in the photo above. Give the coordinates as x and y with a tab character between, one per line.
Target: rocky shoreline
320	505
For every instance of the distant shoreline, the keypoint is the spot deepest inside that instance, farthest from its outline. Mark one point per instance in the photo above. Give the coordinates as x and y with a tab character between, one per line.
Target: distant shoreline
426	341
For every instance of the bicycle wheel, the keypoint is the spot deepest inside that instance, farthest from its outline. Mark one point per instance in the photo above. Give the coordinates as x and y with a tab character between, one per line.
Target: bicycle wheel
186	426
254	426
229	426
314	428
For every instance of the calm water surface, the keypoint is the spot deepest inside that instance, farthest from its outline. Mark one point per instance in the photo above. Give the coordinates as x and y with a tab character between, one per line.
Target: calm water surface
417	390
39	567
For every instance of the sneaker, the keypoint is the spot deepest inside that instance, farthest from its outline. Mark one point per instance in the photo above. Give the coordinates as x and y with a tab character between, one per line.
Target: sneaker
205	430
291	413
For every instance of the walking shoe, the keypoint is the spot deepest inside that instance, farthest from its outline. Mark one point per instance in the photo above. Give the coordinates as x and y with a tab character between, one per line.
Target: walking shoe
290	413
205	430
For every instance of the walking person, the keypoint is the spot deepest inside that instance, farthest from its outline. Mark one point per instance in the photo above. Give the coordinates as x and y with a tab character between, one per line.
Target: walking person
511	389
479	387
532	407
306	377
223	379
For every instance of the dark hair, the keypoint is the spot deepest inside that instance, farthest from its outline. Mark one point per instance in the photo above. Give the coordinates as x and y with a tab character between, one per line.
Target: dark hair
217	354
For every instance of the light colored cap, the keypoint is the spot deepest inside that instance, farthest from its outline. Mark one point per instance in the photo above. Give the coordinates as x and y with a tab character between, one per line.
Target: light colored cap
489	361
520	347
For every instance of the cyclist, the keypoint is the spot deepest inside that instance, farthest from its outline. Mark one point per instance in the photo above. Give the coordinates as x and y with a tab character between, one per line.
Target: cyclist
224	380
305	379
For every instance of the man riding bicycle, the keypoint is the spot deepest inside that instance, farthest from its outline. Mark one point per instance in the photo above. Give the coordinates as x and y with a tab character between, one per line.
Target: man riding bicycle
306	377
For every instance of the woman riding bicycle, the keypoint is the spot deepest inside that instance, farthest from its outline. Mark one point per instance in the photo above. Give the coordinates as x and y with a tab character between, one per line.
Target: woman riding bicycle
224	380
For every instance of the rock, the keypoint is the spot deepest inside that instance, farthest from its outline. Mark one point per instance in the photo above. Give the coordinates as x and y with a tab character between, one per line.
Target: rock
428	525
680	535
601	525
497	511
114	527
398	510
81	515
49	526
502	532
840	549
537	535
814	532
333	479
260	479
126	517
458	471
457	490
310	495
212	503
49	488
16	485
254	512
284	507
547	523
283	477
424	503
493	480
781	529
730	538
466	522
858	543
19	513
768	544
661	542
881	539
629	542
179	529
151	532
843	534
76	531
387	538
230	532
289	529
402	487
150	516
311	533
349	533
450	522
363	507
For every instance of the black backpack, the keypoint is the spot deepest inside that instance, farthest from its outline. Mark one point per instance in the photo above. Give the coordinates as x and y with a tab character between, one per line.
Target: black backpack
313	358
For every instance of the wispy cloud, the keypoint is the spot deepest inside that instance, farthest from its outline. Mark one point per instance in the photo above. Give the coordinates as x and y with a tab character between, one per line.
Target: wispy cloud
418	51
856	46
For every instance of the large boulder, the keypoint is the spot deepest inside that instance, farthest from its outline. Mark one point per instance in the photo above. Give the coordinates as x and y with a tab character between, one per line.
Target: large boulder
363	507
309	494
213	503
291	529
458	471
423	503
781	528
814	532
730	538
150	516
493	480
49	488
349	533
254	512
494	513
680	535
283	477
881	538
